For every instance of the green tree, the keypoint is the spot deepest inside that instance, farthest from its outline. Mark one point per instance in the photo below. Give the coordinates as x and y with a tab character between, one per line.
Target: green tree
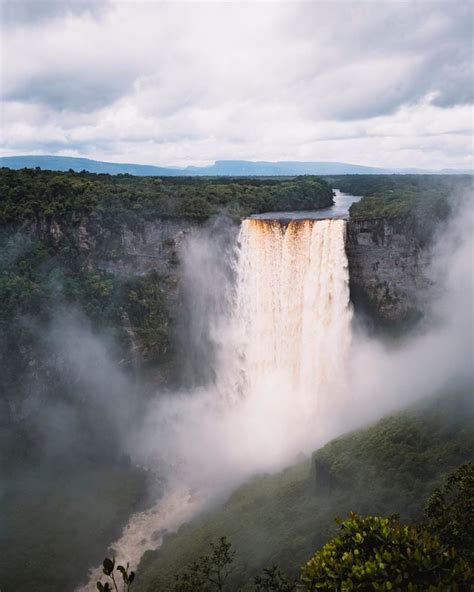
209	572
450	511
375	553
273	580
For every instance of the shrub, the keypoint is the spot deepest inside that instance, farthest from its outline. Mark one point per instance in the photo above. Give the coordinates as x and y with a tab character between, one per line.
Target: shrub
450	511
209	572
273	580
375	553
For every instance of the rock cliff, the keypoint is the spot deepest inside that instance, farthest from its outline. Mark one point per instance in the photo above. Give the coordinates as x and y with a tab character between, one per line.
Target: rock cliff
140	264
388	263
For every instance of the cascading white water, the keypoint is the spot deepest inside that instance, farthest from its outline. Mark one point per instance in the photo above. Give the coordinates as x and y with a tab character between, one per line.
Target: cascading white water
281	362
292	318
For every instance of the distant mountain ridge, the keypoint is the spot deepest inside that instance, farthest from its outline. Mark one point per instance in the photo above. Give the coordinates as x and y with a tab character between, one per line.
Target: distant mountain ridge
227	168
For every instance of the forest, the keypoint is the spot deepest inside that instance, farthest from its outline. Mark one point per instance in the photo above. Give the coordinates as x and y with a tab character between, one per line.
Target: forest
391	196
33	192
62	429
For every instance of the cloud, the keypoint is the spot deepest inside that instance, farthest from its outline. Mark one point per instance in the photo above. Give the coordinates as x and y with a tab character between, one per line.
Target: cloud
176	83
60	92
20	12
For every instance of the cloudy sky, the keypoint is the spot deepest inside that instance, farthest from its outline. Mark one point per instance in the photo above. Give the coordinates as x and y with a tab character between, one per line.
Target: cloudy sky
386	83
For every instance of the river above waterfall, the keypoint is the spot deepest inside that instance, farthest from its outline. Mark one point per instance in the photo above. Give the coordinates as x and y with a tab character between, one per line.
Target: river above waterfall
340	209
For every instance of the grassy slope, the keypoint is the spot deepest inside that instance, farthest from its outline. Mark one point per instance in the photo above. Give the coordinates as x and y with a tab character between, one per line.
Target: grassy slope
282	519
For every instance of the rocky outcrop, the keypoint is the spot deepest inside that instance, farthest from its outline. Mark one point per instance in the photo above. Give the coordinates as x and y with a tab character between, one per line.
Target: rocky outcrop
155	246
118	248
388	264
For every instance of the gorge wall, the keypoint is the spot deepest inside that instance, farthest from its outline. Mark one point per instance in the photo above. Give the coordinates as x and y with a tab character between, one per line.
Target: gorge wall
388	259
121	248
388	264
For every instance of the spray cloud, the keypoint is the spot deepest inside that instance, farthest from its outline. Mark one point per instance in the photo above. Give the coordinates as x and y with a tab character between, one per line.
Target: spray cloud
288	374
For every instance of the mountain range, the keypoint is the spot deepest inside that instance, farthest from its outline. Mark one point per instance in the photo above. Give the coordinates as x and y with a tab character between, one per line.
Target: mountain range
231	168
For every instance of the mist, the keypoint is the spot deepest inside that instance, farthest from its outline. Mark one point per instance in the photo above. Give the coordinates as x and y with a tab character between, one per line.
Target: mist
200	440
203	441
437	359
64	465
96	395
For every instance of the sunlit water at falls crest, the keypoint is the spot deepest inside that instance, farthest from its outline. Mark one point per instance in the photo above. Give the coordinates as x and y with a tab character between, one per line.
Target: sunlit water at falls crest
292	318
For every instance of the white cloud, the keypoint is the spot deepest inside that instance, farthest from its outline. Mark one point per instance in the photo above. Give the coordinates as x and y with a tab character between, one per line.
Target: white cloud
180	83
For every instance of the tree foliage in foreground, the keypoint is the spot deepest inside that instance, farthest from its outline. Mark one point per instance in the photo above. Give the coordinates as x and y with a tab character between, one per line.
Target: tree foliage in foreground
273	580
209	572
108	567
375	553
450	511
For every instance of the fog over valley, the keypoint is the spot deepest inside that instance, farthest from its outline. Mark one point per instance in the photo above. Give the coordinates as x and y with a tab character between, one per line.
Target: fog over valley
236	296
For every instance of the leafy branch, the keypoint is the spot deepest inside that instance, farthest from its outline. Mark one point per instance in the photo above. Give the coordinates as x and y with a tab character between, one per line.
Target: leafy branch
108	567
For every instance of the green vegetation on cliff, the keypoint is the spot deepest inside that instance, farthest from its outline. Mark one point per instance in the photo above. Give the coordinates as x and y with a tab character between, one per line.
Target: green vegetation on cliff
450	512
55	226
373	553
282	519
391	196
33	192
40	281
63	472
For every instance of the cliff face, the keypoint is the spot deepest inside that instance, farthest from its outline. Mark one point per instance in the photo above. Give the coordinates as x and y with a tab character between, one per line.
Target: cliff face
119	248
388	263
141	293
137	300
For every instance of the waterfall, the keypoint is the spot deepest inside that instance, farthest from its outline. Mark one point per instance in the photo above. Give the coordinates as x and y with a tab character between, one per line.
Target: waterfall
292	318
281	342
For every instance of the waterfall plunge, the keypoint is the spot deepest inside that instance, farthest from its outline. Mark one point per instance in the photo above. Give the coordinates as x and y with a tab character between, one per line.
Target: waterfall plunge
291	324
281	345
